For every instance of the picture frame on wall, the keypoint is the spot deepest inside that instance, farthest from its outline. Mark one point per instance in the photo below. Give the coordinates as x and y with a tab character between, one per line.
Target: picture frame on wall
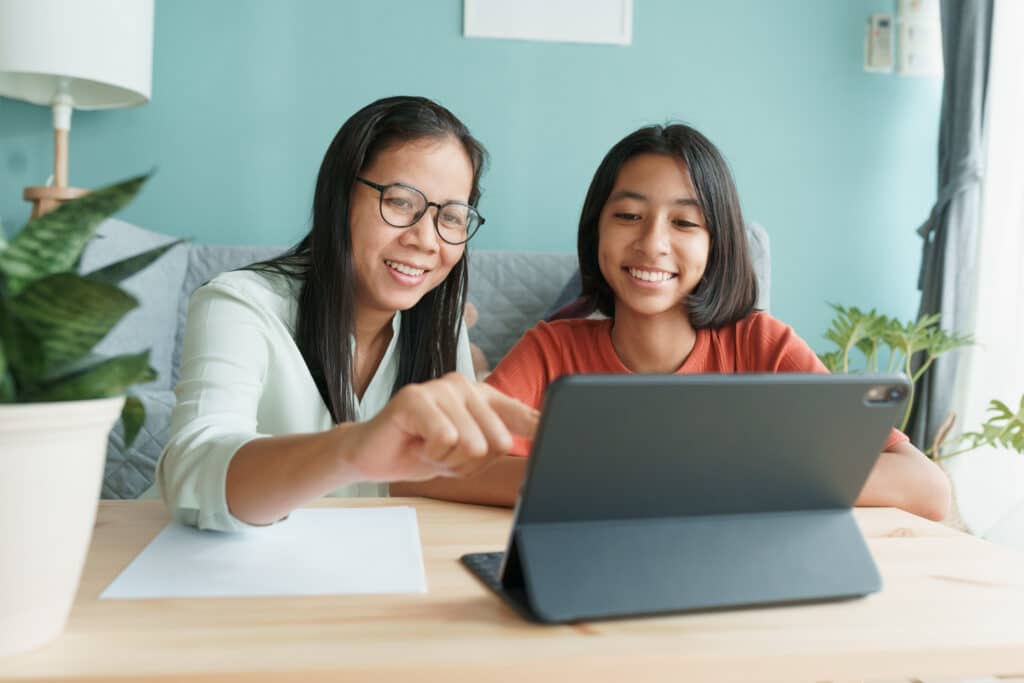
608	22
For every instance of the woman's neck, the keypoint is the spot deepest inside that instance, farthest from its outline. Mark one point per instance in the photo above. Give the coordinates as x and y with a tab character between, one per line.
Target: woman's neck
653	344
372	330
369	325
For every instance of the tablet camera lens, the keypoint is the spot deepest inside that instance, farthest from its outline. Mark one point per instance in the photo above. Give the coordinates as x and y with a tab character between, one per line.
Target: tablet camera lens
880	395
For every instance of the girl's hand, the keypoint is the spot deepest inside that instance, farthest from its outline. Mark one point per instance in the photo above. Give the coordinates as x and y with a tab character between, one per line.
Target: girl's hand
450	427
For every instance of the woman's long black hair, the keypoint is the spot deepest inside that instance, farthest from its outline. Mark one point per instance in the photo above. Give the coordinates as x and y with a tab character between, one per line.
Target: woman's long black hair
322	261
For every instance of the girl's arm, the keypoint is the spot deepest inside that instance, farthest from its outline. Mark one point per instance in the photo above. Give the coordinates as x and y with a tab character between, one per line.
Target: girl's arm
497	484
905	478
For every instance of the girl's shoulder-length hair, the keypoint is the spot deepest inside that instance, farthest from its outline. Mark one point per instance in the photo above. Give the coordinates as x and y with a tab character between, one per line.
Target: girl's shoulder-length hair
728	291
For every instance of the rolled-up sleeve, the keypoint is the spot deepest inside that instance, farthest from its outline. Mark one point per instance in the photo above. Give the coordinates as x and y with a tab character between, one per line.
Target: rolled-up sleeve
224	360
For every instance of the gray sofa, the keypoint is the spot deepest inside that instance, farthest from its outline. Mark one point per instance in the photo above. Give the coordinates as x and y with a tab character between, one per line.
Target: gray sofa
511	290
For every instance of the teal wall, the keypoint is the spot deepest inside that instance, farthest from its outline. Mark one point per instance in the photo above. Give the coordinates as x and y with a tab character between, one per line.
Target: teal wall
837	164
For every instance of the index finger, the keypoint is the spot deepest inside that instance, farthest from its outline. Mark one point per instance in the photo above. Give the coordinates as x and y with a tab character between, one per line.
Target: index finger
520	418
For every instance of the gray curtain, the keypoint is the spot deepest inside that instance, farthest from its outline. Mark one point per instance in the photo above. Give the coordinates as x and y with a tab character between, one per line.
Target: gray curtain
950	233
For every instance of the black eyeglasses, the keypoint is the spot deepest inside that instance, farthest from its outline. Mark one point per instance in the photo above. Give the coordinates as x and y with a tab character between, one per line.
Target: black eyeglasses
402	206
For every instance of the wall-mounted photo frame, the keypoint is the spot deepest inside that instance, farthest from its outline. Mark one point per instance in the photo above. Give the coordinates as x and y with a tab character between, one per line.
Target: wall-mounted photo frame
565	21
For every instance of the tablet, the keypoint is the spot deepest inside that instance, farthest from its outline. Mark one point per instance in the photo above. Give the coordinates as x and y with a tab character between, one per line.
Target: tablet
661	493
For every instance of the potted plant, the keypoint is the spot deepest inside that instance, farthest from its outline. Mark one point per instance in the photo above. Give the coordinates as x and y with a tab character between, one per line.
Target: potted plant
884	340
58	402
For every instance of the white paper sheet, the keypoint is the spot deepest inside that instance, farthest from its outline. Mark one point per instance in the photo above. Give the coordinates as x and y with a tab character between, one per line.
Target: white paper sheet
314	552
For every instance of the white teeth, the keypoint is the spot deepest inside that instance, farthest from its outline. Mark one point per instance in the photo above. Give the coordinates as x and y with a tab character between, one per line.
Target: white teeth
650	276
404	269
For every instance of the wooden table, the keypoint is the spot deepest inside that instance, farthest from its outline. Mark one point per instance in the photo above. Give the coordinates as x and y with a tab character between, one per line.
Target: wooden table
952	606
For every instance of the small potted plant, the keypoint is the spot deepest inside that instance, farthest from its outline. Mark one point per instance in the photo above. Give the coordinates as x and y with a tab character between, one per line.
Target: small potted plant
883	340
58	401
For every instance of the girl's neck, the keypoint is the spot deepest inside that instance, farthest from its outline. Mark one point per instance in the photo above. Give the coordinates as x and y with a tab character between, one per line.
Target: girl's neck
652	344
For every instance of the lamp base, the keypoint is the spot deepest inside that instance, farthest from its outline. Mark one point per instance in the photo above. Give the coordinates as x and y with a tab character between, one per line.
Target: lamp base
46	199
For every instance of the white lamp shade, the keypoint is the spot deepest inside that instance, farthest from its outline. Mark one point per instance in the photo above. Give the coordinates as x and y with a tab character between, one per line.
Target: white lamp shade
103	48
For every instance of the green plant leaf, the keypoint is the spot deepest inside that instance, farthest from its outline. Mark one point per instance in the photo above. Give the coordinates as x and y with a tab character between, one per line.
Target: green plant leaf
940	341
54	242
1003	428
109	377
853	328
874	327
116	272
132	416
869	332
6	381
69	314
23	349
833	360
1000	409
910	338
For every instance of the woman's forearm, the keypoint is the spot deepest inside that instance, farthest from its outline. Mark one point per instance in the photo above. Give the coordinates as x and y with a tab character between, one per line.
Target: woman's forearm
497	485
271	476
447	426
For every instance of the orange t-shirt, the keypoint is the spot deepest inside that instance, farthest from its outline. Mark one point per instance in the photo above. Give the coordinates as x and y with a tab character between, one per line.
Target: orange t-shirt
757	343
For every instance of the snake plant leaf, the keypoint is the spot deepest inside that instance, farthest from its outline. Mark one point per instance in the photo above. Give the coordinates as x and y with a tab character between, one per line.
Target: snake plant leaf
6	381
116	272
109	377
69	314
23	350
132	416
54	242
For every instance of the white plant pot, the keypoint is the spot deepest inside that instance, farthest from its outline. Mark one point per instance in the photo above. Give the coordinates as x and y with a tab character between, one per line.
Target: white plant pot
51	467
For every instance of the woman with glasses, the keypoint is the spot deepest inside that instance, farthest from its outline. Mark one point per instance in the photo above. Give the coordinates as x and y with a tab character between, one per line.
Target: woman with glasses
343	364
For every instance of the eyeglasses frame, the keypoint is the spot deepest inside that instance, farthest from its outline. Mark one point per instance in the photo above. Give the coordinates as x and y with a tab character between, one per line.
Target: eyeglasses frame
437	228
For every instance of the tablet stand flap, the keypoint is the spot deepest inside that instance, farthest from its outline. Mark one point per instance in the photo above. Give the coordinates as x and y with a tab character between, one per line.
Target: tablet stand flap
591	570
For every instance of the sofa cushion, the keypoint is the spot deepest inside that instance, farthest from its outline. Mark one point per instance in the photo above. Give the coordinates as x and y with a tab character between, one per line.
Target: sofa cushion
129	471
760	254
153	323
512	290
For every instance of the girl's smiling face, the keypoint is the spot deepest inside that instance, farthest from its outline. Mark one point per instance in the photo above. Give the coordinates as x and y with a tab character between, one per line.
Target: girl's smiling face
653	241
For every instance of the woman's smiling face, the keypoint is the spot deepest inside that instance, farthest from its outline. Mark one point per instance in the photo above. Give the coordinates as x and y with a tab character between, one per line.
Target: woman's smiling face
653	241
396	267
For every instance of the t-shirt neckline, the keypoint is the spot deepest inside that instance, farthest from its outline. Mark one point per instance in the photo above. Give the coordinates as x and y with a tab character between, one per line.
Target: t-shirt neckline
694	361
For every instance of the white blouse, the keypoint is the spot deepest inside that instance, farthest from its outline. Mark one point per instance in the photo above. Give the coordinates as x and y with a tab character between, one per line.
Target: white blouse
242	377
